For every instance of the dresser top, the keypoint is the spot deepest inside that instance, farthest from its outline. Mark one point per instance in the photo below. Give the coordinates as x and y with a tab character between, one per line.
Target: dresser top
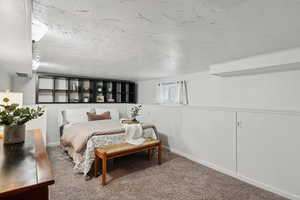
24	166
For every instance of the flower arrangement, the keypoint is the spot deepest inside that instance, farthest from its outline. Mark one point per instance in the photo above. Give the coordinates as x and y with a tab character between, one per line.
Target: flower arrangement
135	111
11	115
14	119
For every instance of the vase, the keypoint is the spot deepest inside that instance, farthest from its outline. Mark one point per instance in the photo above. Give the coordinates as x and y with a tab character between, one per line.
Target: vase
14	134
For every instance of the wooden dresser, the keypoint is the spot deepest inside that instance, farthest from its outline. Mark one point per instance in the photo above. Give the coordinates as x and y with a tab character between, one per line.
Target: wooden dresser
25	171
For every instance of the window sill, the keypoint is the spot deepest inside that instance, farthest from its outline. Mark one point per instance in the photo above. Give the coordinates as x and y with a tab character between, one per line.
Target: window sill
172	104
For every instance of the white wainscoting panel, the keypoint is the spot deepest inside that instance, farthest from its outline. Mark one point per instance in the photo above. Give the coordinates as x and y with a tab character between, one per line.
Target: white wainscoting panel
263	150
168	122
268	149
204	134
210	135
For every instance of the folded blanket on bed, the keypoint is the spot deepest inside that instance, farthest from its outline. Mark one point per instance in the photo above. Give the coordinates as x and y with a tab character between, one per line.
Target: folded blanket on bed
76	135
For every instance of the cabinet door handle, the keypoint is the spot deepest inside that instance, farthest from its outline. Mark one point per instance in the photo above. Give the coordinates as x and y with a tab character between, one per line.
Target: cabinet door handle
239	124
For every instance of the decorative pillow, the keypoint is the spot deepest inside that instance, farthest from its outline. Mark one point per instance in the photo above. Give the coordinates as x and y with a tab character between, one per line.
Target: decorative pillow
76	115
94	117
114	113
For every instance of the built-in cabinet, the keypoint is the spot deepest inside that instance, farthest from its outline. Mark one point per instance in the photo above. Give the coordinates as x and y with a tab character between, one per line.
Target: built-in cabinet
210	136
262	148
268	150
69	89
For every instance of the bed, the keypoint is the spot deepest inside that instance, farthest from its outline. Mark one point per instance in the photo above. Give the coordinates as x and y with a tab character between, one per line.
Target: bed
79	137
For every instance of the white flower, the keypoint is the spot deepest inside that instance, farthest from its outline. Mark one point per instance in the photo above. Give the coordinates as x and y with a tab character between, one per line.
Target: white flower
135	111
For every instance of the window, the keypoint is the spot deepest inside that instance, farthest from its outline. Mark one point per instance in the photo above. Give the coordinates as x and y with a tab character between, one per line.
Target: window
172	93
169	93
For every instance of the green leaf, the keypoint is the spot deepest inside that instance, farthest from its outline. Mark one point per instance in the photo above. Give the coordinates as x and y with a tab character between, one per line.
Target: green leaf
5	100
12	115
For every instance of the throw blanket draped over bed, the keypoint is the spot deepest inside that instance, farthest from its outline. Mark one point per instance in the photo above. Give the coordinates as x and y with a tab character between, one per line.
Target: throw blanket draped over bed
134	134
77	135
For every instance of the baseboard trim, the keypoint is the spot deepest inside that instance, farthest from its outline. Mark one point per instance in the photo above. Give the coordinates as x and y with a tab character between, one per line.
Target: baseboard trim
205	163
267	187
234	174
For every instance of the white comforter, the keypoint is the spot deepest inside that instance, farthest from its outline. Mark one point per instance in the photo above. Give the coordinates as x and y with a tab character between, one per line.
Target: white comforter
84	160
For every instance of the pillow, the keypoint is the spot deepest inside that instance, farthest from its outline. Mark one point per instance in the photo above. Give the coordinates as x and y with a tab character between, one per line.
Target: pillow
94	117
113	112
75	115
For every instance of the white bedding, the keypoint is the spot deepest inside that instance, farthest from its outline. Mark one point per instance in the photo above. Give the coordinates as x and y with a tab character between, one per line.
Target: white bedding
83	161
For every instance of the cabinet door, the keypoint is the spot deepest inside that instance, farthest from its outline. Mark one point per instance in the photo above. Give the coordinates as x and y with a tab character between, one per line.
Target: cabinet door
268	150
210	137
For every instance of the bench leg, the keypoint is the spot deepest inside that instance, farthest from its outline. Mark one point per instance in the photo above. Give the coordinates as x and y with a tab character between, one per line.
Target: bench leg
159	154
104	164
149	154
96	166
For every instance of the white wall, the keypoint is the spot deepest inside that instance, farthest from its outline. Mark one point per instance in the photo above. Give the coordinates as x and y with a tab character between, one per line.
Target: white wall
26	86
192	131
275	91
15	36
262	150
5	80
206	130
15	40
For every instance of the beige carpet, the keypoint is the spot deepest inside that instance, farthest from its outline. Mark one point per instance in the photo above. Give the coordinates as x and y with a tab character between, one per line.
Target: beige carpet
136	178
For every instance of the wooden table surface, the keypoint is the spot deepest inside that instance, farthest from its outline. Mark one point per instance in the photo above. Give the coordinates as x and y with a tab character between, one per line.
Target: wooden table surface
24	166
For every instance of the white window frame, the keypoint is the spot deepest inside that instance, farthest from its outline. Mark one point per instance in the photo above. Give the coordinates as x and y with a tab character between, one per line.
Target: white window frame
169	93
172	93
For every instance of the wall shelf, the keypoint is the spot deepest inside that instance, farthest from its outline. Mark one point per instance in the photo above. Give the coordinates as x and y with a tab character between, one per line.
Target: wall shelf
63	89
286	60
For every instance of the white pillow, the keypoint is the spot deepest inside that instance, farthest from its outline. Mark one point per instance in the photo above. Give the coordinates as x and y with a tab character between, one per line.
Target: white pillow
76	115
113	112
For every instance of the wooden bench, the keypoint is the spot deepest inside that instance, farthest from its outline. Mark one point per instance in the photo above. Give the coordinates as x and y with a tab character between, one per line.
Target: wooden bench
118	150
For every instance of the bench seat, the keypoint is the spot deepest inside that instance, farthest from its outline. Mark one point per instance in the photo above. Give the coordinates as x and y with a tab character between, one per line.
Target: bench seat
123	147
117	150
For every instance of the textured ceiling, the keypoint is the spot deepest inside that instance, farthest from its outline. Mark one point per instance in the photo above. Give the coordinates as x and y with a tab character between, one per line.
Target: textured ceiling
143	39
